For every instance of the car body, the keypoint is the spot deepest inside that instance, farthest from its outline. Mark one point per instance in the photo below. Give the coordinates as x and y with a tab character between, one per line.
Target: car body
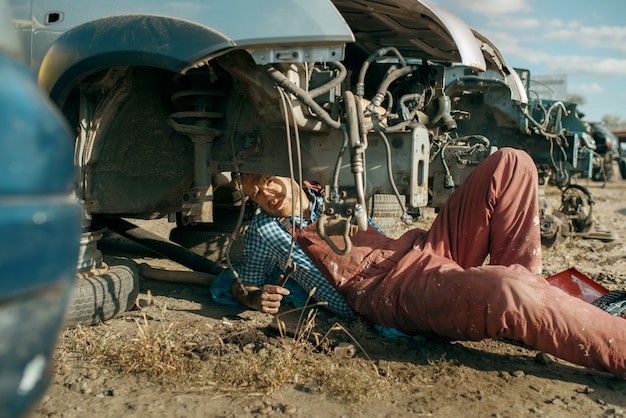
621	160
168	101
40	222
555	134
165	98
607	150
606	141
551	131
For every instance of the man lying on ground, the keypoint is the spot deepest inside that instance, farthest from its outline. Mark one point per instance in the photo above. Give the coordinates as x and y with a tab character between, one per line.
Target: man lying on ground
434	282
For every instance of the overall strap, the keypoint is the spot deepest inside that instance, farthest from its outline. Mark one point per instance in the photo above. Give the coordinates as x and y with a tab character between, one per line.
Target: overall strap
314	186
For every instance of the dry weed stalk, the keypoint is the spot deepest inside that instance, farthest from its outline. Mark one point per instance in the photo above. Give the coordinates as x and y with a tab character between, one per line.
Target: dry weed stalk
244	360
340	378
90	343
442	367
157	353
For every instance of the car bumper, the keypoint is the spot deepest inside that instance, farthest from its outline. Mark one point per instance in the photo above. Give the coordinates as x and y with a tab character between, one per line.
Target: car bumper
39	239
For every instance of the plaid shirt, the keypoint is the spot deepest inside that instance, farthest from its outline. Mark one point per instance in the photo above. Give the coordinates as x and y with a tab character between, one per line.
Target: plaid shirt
266	247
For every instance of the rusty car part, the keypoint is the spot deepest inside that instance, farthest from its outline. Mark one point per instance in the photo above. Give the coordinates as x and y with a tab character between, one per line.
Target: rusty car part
160	245
176	276
344	350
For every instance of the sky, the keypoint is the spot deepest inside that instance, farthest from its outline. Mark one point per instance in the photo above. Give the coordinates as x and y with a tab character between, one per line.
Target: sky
584	40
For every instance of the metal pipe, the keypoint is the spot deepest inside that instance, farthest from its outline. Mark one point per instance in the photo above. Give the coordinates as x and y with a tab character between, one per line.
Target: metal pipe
160	245
304	97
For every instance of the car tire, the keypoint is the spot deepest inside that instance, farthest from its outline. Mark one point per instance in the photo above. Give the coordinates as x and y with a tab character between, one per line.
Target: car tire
103	296
386	212
385	206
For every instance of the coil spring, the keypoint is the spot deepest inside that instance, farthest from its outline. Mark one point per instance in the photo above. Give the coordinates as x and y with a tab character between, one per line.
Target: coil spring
198	120
199	116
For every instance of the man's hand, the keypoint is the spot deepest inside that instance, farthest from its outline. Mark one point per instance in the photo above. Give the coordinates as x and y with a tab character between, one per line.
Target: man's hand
266	299
270	297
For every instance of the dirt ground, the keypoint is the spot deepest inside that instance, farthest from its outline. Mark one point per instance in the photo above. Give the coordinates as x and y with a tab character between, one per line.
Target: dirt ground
182	355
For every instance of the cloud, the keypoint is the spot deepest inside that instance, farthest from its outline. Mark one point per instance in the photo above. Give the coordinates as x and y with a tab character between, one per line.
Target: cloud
491	7
531	56
578	65
605	37
517	18
574	65
611	37
588	88
515	23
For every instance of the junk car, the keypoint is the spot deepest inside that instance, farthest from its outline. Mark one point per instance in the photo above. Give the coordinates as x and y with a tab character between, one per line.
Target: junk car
169	101
607	151
563	145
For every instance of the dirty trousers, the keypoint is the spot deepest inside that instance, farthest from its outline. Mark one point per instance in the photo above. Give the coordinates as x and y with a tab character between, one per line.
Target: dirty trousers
435	282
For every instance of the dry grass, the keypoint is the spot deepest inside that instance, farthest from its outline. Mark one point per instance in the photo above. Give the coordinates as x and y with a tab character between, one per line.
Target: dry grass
233	358
155	352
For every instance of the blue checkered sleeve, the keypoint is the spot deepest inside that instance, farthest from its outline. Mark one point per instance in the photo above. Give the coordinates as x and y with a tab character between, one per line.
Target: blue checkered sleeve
267	246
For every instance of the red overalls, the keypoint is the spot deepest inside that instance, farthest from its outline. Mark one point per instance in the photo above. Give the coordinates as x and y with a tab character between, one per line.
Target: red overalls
434	282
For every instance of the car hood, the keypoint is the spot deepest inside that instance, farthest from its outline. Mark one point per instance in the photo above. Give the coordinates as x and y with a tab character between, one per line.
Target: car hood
495	62
418	29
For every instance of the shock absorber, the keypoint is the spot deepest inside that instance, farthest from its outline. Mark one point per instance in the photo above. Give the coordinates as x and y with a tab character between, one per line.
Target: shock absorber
200	120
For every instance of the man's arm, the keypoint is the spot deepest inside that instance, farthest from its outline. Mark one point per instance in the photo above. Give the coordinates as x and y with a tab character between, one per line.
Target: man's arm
266	299
267	245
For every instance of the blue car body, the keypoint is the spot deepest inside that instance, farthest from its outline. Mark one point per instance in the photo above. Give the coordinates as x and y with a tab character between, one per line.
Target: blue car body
39	235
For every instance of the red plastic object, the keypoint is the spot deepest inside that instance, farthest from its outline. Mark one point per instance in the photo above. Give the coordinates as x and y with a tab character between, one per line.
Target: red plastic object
577	284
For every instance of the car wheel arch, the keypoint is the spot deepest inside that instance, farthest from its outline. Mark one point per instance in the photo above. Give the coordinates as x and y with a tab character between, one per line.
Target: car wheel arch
153	41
